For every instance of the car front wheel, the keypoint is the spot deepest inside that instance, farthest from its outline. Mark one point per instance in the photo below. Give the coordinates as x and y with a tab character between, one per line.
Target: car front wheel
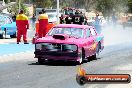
82	57
13	36
94	57
41	61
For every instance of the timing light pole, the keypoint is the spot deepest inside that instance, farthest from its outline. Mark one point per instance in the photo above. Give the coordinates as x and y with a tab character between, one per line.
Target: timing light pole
3	3
19	1
58	11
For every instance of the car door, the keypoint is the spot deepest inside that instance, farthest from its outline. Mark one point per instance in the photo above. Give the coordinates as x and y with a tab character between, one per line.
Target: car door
89	43
93	38
8	24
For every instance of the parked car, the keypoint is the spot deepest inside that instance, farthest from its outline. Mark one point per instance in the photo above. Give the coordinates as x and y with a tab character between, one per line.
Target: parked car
52	17
7	26
69	42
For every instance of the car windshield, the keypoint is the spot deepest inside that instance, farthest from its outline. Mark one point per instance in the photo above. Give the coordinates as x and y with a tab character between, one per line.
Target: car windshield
2	20
72	32
51	16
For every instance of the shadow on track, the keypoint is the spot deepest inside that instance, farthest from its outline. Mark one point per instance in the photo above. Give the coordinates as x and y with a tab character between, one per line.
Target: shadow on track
55	63
59	63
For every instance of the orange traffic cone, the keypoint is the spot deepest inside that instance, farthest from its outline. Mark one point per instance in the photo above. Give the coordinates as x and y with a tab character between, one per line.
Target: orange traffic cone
81	71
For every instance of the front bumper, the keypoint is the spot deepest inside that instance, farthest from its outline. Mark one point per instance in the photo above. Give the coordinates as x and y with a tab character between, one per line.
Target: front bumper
65	56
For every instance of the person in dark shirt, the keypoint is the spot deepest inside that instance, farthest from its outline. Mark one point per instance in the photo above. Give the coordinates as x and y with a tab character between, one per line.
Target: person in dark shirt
68	20
14	17
33	20
62	19
77	18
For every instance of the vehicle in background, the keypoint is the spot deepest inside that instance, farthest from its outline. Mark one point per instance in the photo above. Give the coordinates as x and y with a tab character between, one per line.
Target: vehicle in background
52	14
52	17
69	42
47	11
90	21
7	26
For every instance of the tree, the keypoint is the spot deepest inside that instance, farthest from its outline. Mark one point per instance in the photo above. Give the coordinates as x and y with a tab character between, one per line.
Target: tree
104	6
130	6
15	9
43	3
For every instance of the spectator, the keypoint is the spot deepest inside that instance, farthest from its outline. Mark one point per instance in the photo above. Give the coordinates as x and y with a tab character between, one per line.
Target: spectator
33	19
114	19
97	23
62	19
68	20
77	18
14	17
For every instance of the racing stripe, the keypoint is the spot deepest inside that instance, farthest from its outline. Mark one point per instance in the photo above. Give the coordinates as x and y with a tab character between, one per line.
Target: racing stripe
43	16
21	17
22	22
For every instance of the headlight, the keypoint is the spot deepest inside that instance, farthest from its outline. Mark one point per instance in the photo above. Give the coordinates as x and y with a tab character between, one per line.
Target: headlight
70	48
56	47
38	46
47	46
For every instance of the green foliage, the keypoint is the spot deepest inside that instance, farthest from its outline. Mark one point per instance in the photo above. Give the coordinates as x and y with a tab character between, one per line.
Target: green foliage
104	6
15	9
42	3
6	1
25	9
62	4
130	6
107	7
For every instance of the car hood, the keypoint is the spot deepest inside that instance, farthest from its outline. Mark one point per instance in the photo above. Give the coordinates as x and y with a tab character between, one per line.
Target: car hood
49	39
8	25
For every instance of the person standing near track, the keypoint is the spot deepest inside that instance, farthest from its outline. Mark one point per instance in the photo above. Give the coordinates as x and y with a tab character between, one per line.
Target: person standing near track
124	20
22	26
43	22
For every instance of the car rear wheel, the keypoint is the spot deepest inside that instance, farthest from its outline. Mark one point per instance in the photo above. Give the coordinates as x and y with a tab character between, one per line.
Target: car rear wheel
93	57
1	36
98	48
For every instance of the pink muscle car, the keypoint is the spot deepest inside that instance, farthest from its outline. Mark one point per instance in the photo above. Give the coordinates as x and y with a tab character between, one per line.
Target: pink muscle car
69	42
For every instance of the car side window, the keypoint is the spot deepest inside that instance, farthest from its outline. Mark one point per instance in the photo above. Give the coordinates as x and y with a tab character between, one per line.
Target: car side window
87	33
7	20
92	31
2	20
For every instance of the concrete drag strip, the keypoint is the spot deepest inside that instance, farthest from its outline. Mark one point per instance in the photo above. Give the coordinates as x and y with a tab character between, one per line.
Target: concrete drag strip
8	51
15	57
